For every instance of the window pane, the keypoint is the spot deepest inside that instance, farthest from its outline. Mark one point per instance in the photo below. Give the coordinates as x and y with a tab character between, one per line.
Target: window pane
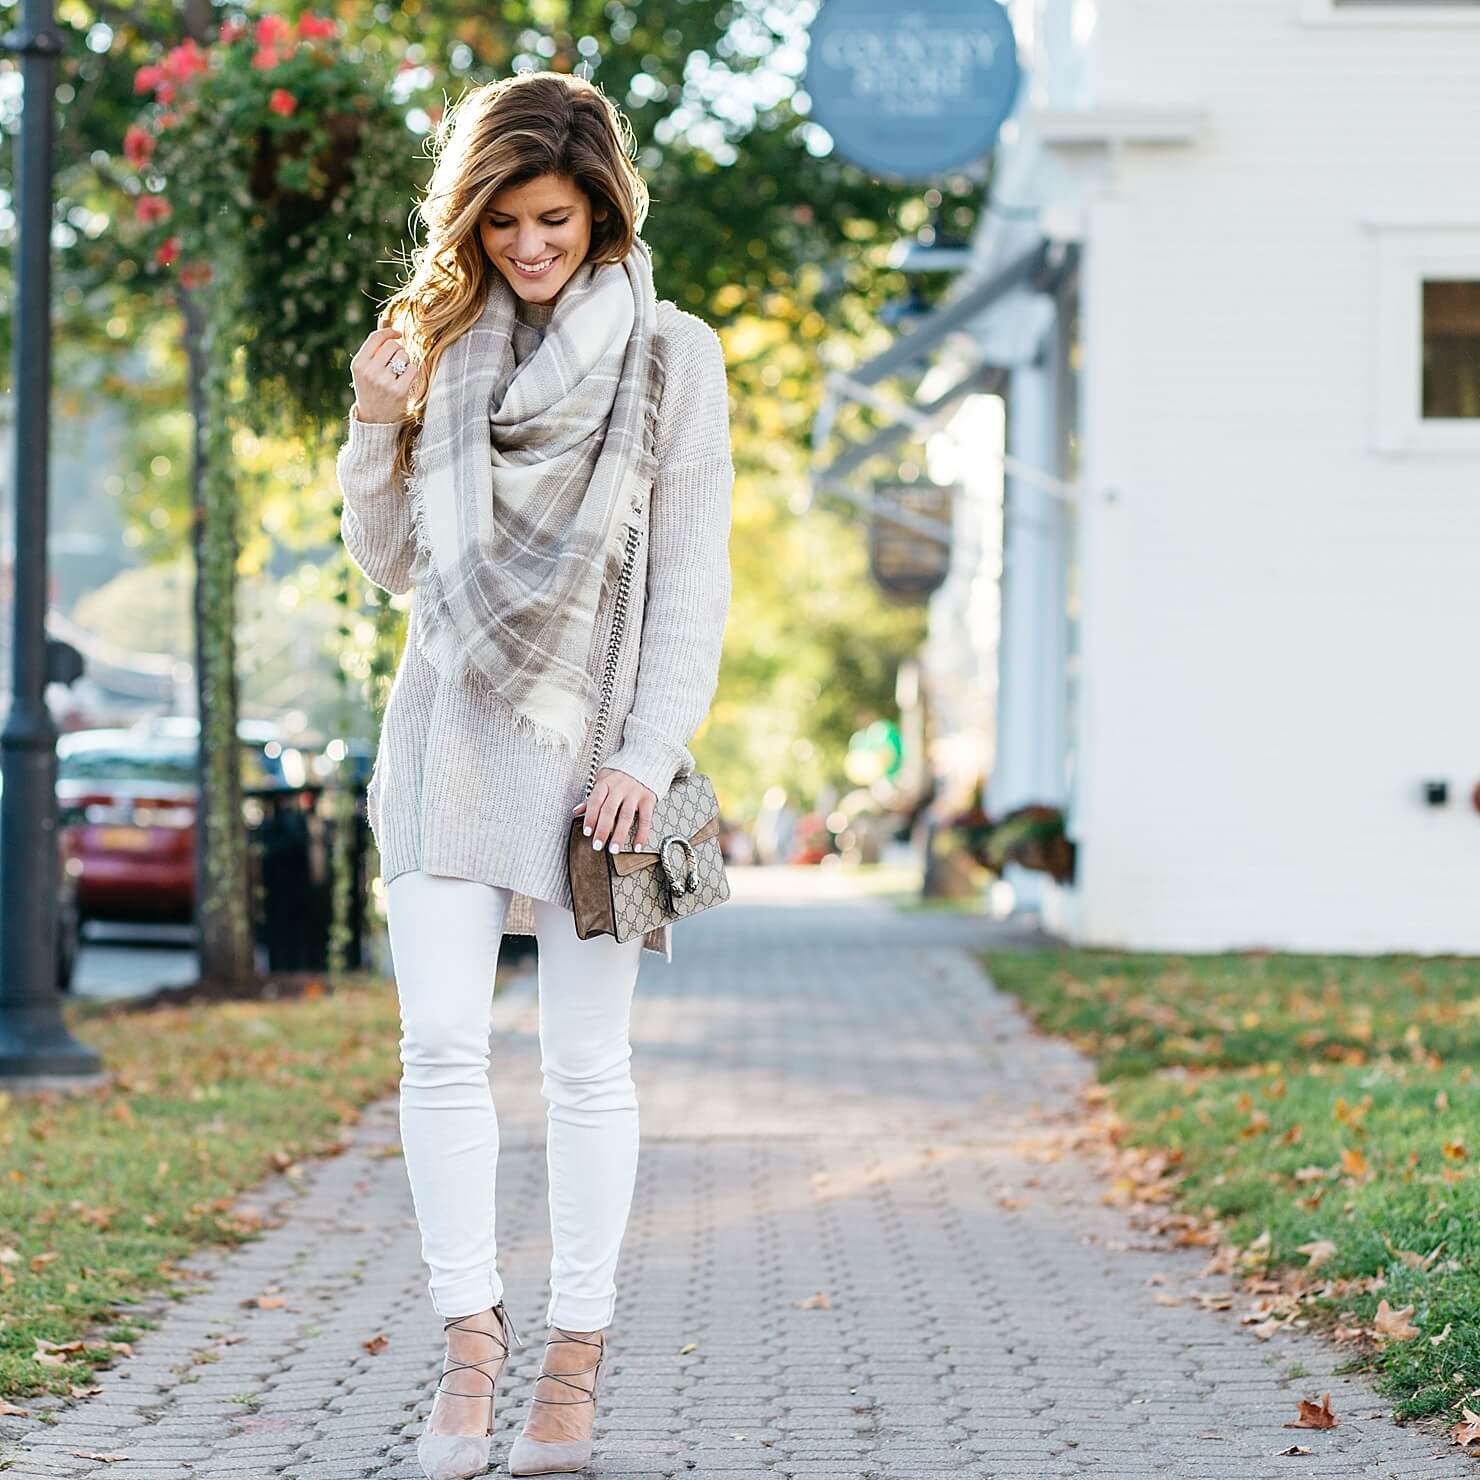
1451	349
128	766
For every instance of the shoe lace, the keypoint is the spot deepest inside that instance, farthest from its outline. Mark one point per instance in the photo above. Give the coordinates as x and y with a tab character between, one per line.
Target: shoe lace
452	1365
586	1395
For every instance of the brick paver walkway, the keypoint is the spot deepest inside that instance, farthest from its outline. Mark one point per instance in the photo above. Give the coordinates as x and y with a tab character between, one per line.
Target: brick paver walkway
834	1102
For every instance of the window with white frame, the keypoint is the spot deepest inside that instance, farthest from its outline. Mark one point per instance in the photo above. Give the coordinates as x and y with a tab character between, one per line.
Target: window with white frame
1427	341
1451	349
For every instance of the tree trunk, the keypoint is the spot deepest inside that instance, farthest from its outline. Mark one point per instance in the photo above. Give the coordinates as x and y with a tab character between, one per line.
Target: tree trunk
222	913
223	921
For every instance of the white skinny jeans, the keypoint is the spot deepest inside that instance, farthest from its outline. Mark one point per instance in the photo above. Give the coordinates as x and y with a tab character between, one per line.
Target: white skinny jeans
445	935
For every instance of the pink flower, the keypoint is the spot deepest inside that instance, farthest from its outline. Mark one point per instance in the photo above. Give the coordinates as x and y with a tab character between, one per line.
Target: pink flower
167	251
195	274
310	26
138	145
151	208
272	30
232	30
165	92
182	62
265	59
147	78
282	101
168	120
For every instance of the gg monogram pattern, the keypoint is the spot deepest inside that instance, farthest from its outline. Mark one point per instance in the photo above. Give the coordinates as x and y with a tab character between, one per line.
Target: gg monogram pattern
641	900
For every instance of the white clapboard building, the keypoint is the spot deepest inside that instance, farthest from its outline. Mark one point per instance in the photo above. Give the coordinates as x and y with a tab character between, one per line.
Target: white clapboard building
1229	285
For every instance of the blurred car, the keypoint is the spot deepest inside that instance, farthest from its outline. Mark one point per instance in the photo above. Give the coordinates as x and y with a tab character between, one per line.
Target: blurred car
127	805
276	763
812	841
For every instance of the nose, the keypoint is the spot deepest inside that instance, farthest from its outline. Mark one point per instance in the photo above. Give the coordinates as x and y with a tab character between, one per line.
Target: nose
530	248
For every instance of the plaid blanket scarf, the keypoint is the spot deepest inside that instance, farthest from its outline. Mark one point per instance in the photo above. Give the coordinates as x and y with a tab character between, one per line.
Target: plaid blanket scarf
519	510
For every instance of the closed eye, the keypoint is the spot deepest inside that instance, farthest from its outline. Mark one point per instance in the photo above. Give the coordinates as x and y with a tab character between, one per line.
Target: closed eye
498	222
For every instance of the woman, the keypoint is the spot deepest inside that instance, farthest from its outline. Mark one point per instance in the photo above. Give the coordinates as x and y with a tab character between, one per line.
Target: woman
526	400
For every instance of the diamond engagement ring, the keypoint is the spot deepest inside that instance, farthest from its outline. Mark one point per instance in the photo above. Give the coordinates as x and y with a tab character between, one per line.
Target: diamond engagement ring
400	365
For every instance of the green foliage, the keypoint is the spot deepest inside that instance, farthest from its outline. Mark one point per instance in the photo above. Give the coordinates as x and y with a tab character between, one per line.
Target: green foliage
1319	1100
754	225
279	158
110	1187
1142	1013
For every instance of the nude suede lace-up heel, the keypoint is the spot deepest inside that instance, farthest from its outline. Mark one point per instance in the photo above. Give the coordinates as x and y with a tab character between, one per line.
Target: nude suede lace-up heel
557	1457
462	1456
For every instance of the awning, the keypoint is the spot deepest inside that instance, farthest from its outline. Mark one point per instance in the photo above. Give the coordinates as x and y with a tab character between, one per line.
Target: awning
908	418
1029	270
1038	269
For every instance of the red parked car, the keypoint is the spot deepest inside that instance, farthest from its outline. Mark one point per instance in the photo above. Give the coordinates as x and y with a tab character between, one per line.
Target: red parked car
126	800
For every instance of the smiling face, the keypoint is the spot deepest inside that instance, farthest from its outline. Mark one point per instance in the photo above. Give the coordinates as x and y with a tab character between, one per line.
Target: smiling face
538	233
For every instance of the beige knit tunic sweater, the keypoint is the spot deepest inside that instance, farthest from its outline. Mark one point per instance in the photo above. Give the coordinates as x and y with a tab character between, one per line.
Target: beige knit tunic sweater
456	787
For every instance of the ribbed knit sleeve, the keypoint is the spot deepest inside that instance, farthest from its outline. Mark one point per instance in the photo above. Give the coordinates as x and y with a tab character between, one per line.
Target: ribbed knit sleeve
375	522
688	562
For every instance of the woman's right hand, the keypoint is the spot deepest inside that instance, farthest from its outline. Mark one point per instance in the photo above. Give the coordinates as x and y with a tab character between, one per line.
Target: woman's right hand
379	395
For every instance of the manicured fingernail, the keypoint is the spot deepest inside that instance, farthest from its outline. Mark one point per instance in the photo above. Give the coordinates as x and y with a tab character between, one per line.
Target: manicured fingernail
587	831
616	848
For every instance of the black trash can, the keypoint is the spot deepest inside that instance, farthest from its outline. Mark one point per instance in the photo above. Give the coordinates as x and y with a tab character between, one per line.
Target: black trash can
291	837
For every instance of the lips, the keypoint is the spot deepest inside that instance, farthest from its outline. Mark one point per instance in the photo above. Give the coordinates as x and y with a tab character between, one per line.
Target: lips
539	270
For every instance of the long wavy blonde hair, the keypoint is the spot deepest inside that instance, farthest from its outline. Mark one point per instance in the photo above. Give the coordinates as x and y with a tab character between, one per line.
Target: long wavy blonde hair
494	136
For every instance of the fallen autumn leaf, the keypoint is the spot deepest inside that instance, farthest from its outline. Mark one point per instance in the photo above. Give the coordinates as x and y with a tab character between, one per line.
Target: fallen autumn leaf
1314	1415
1394	1325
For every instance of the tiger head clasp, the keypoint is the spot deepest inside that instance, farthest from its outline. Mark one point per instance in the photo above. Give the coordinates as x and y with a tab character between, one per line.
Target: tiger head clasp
683	879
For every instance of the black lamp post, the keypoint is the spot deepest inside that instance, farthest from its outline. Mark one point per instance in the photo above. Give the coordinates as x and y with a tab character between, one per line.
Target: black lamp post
34	1040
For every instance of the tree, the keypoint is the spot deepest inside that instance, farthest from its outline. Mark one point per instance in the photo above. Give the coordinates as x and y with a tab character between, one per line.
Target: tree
755	225
262	154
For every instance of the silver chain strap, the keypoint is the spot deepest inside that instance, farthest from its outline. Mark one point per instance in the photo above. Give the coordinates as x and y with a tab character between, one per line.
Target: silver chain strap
613	654
619	622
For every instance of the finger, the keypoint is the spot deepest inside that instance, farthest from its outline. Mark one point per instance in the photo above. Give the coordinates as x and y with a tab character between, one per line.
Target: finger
595	829
578	809
373	341
592	806
645	818
629	819
387	352
606	818
626	816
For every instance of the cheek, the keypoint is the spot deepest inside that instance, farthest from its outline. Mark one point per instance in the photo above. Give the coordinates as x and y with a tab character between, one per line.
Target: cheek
574	239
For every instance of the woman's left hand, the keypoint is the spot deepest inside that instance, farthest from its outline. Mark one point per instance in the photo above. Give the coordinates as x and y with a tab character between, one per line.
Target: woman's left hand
615	801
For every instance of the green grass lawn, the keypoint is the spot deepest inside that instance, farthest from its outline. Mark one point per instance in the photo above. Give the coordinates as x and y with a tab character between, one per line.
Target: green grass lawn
102	1190
1329	1102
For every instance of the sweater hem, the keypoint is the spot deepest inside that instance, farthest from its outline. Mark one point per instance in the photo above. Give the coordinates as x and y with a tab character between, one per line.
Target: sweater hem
524	883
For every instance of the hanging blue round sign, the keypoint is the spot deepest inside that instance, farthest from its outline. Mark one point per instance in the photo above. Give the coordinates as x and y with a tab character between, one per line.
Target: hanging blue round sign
911	90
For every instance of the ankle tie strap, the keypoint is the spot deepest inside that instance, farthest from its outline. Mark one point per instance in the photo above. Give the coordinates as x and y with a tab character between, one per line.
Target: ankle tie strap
452	1365
586	1395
